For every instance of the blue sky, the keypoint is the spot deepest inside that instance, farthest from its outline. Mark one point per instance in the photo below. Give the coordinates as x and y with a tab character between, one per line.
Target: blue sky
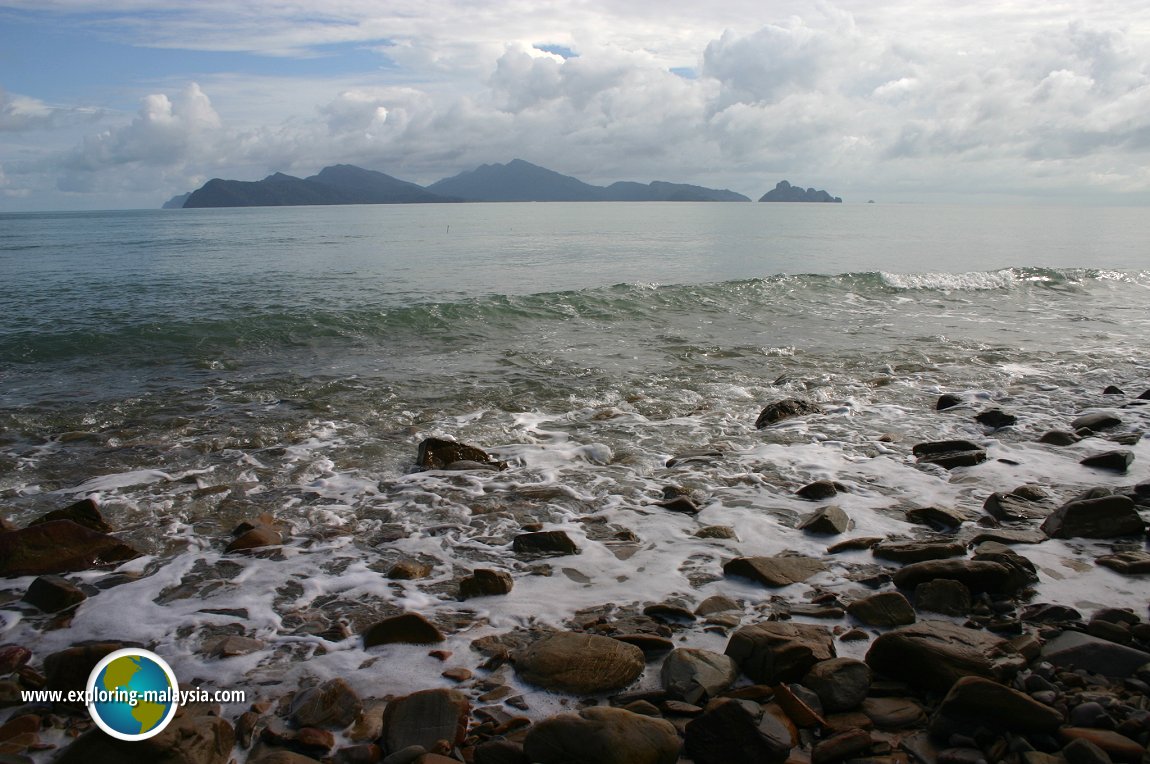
907	101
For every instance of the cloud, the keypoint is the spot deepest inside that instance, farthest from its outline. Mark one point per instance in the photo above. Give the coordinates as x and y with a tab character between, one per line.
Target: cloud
19	113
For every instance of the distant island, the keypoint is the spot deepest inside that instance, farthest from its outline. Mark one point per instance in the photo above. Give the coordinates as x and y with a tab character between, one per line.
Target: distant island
516	181
785	192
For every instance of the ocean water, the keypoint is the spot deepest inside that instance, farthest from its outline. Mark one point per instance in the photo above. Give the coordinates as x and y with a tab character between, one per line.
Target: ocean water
194	368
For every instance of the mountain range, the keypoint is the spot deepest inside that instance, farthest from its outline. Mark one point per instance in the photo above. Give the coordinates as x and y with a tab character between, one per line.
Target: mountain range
516	181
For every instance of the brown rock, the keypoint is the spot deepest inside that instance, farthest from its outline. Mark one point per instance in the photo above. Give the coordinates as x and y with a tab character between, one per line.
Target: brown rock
602	735
409	570
918	551
485	583
976	575
737	732
716	532
84	512
1009	507
942	595
188	739
1132	563
53	594
950	454
584	664
544	543
818	490
777	651
884	609
59	546
424	718
894	713
840	747
974	701
438	454
1112	461
406	628
68	669
774	572
255	538
1118	746
840	683
331	705
696	675
1102	517
785	409
830	520
936	654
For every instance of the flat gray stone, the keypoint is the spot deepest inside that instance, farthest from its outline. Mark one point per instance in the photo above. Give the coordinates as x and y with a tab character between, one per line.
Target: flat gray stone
1073	649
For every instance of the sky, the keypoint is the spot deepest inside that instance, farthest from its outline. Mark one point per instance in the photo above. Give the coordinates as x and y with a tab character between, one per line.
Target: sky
125	103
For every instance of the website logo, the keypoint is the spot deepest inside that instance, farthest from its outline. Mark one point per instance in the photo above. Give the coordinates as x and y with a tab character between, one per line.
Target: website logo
132	694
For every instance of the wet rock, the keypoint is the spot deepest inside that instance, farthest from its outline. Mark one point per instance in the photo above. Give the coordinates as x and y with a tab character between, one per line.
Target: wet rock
785	409
1102	517
500	752
1132	563
717	603
190	738
485	583
736	732
424	718
257	536
944	596
893	713
855	544
950	454
936	517
405	628
232	645
13	658
829	521
918	551
716	532
1059	438
1113	461
1008	507
947	401
409	570
1041	612
1075	650
976	575
1096	422
819	490
842	746
681	504
331	705
975	701
777	651
884	609
59	546
602	735
52	594
68	669
1008	536
583	664
1081	751
995	418
696	675
774	572
544	543
84	512
840	683
438	454
1117	746
936	654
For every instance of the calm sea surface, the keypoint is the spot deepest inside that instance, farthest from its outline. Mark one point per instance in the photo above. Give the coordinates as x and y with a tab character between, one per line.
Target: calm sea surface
192	368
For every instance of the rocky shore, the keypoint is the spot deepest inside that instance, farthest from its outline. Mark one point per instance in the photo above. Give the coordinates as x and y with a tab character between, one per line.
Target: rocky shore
935	648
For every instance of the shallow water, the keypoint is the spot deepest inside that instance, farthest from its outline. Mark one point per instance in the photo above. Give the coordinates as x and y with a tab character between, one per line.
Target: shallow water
194	368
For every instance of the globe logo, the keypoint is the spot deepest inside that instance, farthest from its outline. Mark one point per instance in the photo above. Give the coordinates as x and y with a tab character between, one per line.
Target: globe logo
132	694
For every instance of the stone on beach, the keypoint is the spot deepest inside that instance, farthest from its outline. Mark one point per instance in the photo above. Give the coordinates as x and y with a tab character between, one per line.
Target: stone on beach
484	582
785	409
579	663
917	551
973	701
936	654
544	543
950	454
602	735
826	521
774	572
1112	461
331	705
1096	422
819	490
996	418
840	683
696	675
778	651
53	594
85	512
439	454
59	546
734	731
884	609
976	575
1075	650
424	718
406	628
1098	518
1009	507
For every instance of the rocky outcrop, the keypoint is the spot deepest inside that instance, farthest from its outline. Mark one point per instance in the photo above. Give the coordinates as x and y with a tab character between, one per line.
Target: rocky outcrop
785	192
578	663
774	572
780	651
602	735
59	546
936	654
787	408
1098	518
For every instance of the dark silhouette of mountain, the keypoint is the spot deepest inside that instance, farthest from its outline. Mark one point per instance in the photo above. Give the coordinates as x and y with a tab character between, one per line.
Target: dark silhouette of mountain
516	181
176	202
520	181
371	187
339	184
785	192
661	191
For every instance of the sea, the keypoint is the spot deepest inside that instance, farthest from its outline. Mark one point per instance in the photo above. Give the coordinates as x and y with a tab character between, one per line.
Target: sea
192	369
